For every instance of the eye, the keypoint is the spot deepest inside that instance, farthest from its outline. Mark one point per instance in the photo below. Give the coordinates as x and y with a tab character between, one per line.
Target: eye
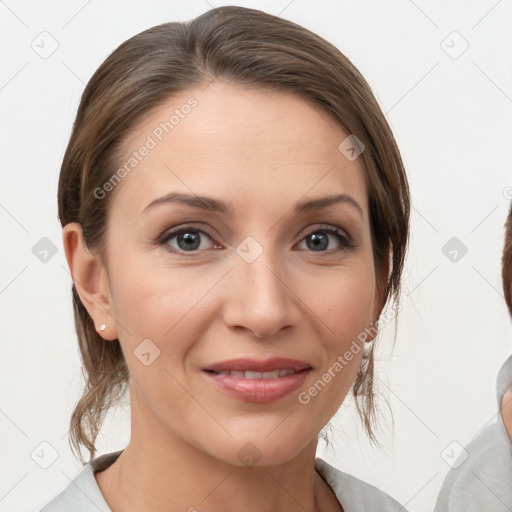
318	240
188	239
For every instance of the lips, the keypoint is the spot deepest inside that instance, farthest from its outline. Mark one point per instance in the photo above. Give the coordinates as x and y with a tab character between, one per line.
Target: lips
258	381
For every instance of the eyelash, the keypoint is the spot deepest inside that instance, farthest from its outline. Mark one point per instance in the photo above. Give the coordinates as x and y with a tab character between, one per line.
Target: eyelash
345	240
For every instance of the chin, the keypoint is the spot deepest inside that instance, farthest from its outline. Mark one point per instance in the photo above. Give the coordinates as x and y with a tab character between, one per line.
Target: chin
262	451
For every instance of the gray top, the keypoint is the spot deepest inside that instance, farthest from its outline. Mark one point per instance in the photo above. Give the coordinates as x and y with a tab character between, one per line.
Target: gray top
483	482
84	495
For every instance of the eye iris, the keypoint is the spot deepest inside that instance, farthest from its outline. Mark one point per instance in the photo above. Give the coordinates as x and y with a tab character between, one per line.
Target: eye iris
321	241
191	238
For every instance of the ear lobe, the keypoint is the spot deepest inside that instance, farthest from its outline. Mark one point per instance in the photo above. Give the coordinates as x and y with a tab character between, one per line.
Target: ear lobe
90	279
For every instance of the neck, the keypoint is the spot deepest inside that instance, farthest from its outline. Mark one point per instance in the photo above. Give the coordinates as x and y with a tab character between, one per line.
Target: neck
158	468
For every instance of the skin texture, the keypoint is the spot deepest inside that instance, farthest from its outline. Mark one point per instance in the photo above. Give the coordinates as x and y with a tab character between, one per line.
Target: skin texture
262	152
506	412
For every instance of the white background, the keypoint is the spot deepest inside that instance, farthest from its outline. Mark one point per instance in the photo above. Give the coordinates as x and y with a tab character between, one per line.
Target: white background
452	119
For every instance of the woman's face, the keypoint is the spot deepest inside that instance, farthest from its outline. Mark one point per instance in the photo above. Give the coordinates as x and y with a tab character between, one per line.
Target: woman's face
246	260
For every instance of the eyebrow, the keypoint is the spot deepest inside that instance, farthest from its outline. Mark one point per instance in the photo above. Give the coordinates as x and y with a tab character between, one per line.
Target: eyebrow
214	205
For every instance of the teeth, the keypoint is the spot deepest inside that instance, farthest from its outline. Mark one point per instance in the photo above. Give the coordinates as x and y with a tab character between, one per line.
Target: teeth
240	375
257	375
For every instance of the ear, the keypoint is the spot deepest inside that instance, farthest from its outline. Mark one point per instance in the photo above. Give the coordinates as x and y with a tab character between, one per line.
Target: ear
90	279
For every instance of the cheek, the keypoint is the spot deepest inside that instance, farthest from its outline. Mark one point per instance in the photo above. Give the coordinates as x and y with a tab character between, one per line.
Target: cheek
158	305
343	300
344	303
152	299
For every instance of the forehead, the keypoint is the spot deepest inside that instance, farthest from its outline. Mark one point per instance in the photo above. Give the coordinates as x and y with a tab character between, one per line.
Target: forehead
235	142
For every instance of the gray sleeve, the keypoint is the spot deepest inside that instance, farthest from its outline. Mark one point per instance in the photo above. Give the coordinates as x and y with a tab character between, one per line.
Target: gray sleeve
483	482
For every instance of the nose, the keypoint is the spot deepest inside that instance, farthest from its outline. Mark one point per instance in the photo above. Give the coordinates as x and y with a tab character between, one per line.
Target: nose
260	297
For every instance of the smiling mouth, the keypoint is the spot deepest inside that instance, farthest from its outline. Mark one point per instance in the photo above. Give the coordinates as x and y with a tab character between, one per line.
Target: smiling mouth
256	380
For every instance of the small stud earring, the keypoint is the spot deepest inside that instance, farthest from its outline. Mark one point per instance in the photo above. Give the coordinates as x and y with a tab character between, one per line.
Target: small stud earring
102	327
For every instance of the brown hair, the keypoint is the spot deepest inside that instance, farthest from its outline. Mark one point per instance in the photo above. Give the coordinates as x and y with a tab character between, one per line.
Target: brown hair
246	47
506	262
